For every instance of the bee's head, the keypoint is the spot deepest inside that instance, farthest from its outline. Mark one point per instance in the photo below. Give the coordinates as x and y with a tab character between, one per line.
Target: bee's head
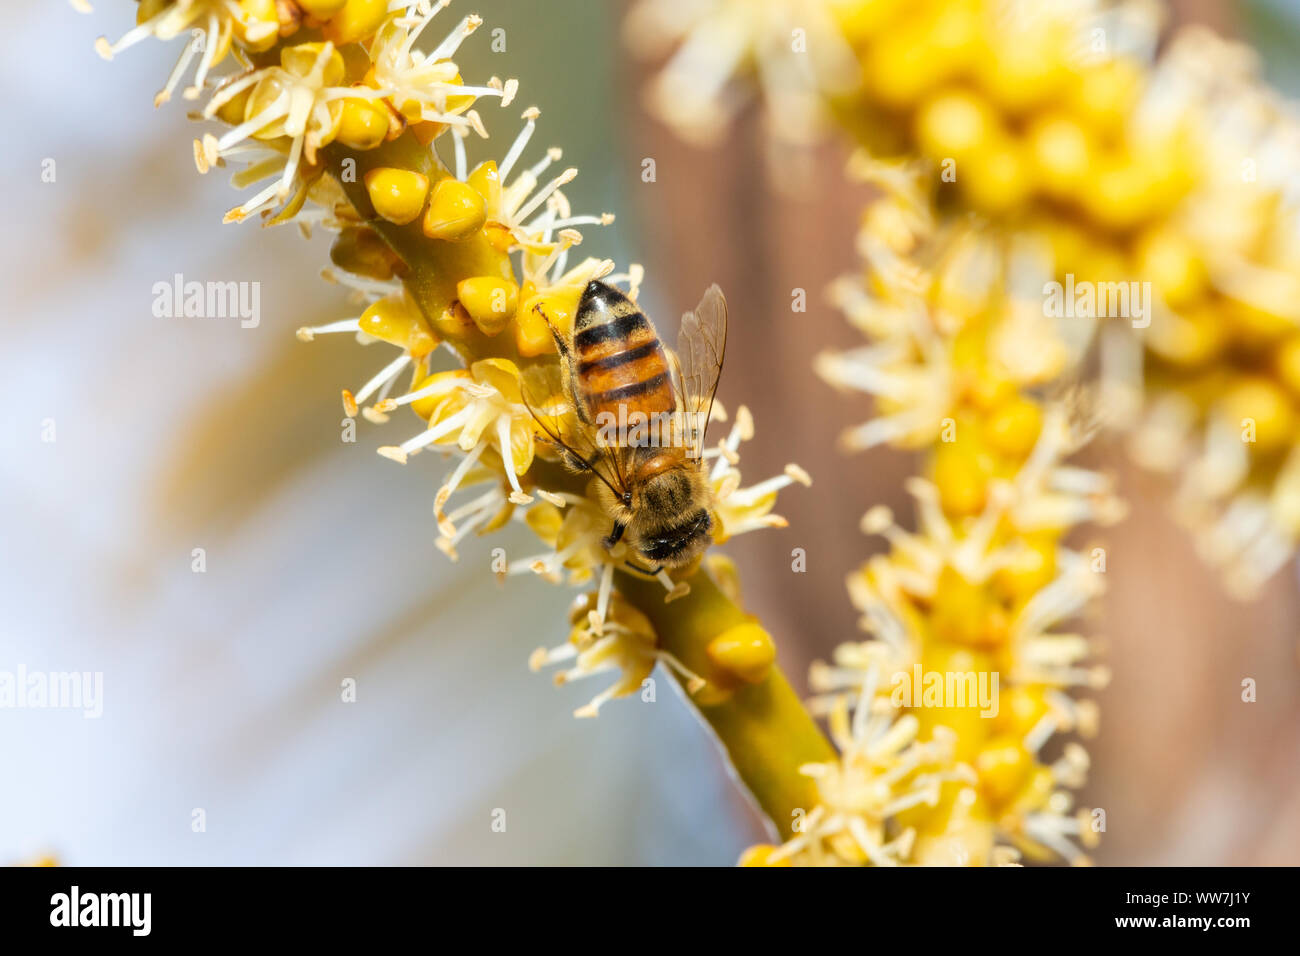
678	544
666	515
621	505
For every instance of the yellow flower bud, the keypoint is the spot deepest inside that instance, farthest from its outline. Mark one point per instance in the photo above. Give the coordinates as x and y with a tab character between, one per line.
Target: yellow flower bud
998	178
1062	154
322	9
761	855
425	133
961	478
490	302
487	183
359	250
265	92
1188	339
938	657
1035	788
1262	410
1003	765
426	407
1020	708
357	20
1025	66
1032	571
861	21
455	212
258	26
1013	428
1172	262
920	54
532	334
499	236
965	612
1255	327
1121	195
955	124
745	650
397	320
1106	93
148	9
890	223
1288	364
502	375
300	60
546	520
235	109
1285	504
1102	263
988	389
397	194
725	574
844	846
453	322
362	124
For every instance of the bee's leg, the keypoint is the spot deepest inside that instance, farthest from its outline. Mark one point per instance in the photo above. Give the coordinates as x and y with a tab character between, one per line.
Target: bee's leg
567	457
560	345
566	366
573	462
615	535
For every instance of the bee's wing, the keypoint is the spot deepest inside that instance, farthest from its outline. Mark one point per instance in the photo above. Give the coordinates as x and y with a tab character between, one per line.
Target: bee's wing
560	425
701	345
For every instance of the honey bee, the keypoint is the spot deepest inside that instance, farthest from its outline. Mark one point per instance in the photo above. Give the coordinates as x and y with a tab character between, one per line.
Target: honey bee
641	413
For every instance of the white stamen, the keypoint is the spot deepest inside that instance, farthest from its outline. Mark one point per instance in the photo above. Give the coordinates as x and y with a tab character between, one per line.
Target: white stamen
309	332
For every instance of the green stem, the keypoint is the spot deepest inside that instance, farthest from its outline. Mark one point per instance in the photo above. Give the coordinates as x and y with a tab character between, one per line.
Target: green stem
764	727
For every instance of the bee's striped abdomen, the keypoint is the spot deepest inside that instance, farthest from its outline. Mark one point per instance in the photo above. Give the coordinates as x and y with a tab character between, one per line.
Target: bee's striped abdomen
617	356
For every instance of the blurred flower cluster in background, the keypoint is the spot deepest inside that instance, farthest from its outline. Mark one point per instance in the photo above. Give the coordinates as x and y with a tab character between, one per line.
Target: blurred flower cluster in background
189	443
1073	142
